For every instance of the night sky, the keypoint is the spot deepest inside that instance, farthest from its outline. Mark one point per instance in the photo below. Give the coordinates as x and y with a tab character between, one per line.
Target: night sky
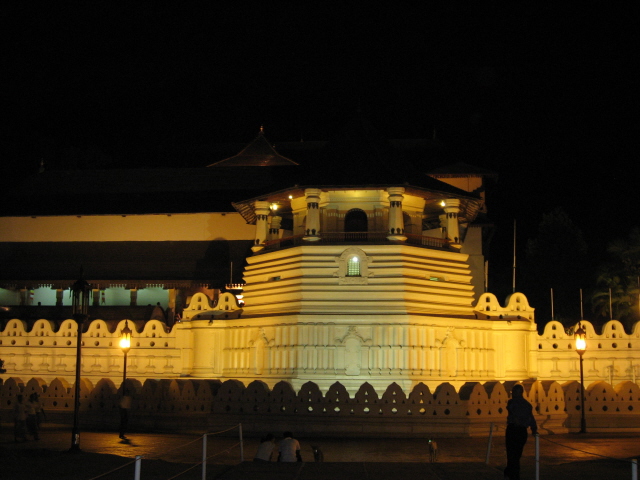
547	96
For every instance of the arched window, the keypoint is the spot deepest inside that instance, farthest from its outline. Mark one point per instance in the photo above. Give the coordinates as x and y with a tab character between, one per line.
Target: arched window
353	266
355	221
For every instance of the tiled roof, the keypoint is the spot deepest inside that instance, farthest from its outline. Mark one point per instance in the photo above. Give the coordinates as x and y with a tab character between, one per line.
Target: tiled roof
461	169
30	264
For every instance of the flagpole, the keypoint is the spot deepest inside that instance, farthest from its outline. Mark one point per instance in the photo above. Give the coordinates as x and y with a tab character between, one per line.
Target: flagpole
486	276
514	256
610	306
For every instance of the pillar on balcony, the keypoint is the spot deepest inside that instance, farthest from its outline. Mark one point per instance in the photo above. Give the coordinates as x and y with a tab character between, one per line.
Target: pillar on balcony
95	296
59	297
274	228
396	220
312	225
451	210
262	216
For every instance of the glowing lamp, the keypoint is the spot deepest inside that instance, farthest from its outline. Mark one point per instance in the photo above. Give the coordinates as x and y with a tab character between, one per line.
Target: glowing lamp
125	337
125	345
581	340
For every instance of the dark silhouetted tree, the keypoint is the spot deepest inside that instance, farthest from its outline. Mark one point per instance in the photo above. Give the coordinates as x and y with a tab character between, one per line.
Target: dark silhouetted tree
616	292
556	259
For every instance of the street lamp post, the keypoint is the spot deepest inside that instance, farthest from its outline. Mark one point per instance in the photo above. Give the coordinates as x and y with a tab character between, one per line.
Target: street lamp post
125	345
80	310
581	347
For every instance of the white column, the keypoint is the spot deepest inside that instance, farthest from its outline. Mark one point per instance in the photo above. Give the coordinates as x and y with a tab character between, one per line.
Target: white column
133	297
312	224
274	228
59	297
451	210
396	221
262	215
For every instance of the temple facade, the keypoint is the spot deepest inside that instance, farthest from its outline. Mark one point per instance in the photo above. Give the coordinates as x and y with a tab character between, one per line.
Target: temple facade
319	279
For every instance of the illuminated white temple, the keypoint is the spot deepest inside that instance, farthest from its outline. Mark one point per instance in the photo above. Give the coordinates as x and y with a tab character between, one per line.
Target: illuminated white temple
376	282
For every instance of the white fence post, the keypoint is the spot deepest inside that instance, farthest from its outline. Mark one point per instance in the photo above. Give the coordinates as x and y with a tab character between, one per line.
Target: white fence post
241	445
489	444
634	469
537	456
136	475
204	457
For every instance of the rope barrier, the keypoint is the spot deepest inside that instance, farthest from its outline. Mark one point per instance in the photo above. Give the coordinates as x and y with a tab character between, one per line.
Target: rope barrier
223	451
185	471
114	470
194	441
200	463
172	449
495	426
223	431
157	456
588	453
633	462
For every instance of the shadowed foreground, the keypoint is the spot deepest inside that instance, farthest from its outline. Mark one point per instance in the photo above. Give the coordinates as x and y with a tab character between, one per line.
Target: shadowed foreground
165	456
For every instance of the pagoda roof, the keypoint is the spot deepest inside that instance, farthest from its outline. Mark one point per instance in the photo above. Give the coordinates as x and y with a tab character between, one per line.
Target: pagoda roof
259	153
356	157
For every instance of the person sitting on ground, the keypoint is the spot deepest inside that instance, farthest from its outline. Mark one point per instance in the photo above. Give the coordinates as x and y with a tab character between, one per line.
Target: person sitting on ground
289	449
266	448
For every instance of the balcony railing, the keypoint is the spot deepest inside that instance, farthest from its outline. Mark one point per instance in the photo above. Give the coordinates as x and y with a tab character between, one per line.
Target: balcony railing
346	238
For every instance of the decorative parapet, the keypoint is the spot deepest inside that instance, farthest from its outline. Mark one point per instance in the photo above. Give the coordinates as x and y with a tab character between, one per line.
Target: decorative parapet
202	308
517	308
610	356
557	407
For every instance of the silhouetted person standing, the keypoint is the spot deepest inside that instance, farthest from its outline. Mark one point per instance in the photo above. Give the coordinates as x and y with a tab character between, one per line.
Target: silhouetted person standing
20	420
33	409
520	418
125	406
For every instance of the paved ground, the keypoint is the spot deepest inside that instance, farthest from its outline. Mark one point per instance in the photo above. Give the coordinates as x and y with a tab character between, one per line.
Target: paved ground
563	457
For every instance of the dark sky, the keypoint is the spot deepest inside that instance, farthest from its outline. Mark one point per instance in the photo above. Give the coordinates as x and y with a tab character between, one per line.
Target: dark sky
545	95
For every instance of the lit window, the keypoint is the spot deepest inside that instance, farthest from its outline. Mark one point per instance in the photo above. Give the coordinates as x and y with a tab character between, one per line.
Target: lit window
353	267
